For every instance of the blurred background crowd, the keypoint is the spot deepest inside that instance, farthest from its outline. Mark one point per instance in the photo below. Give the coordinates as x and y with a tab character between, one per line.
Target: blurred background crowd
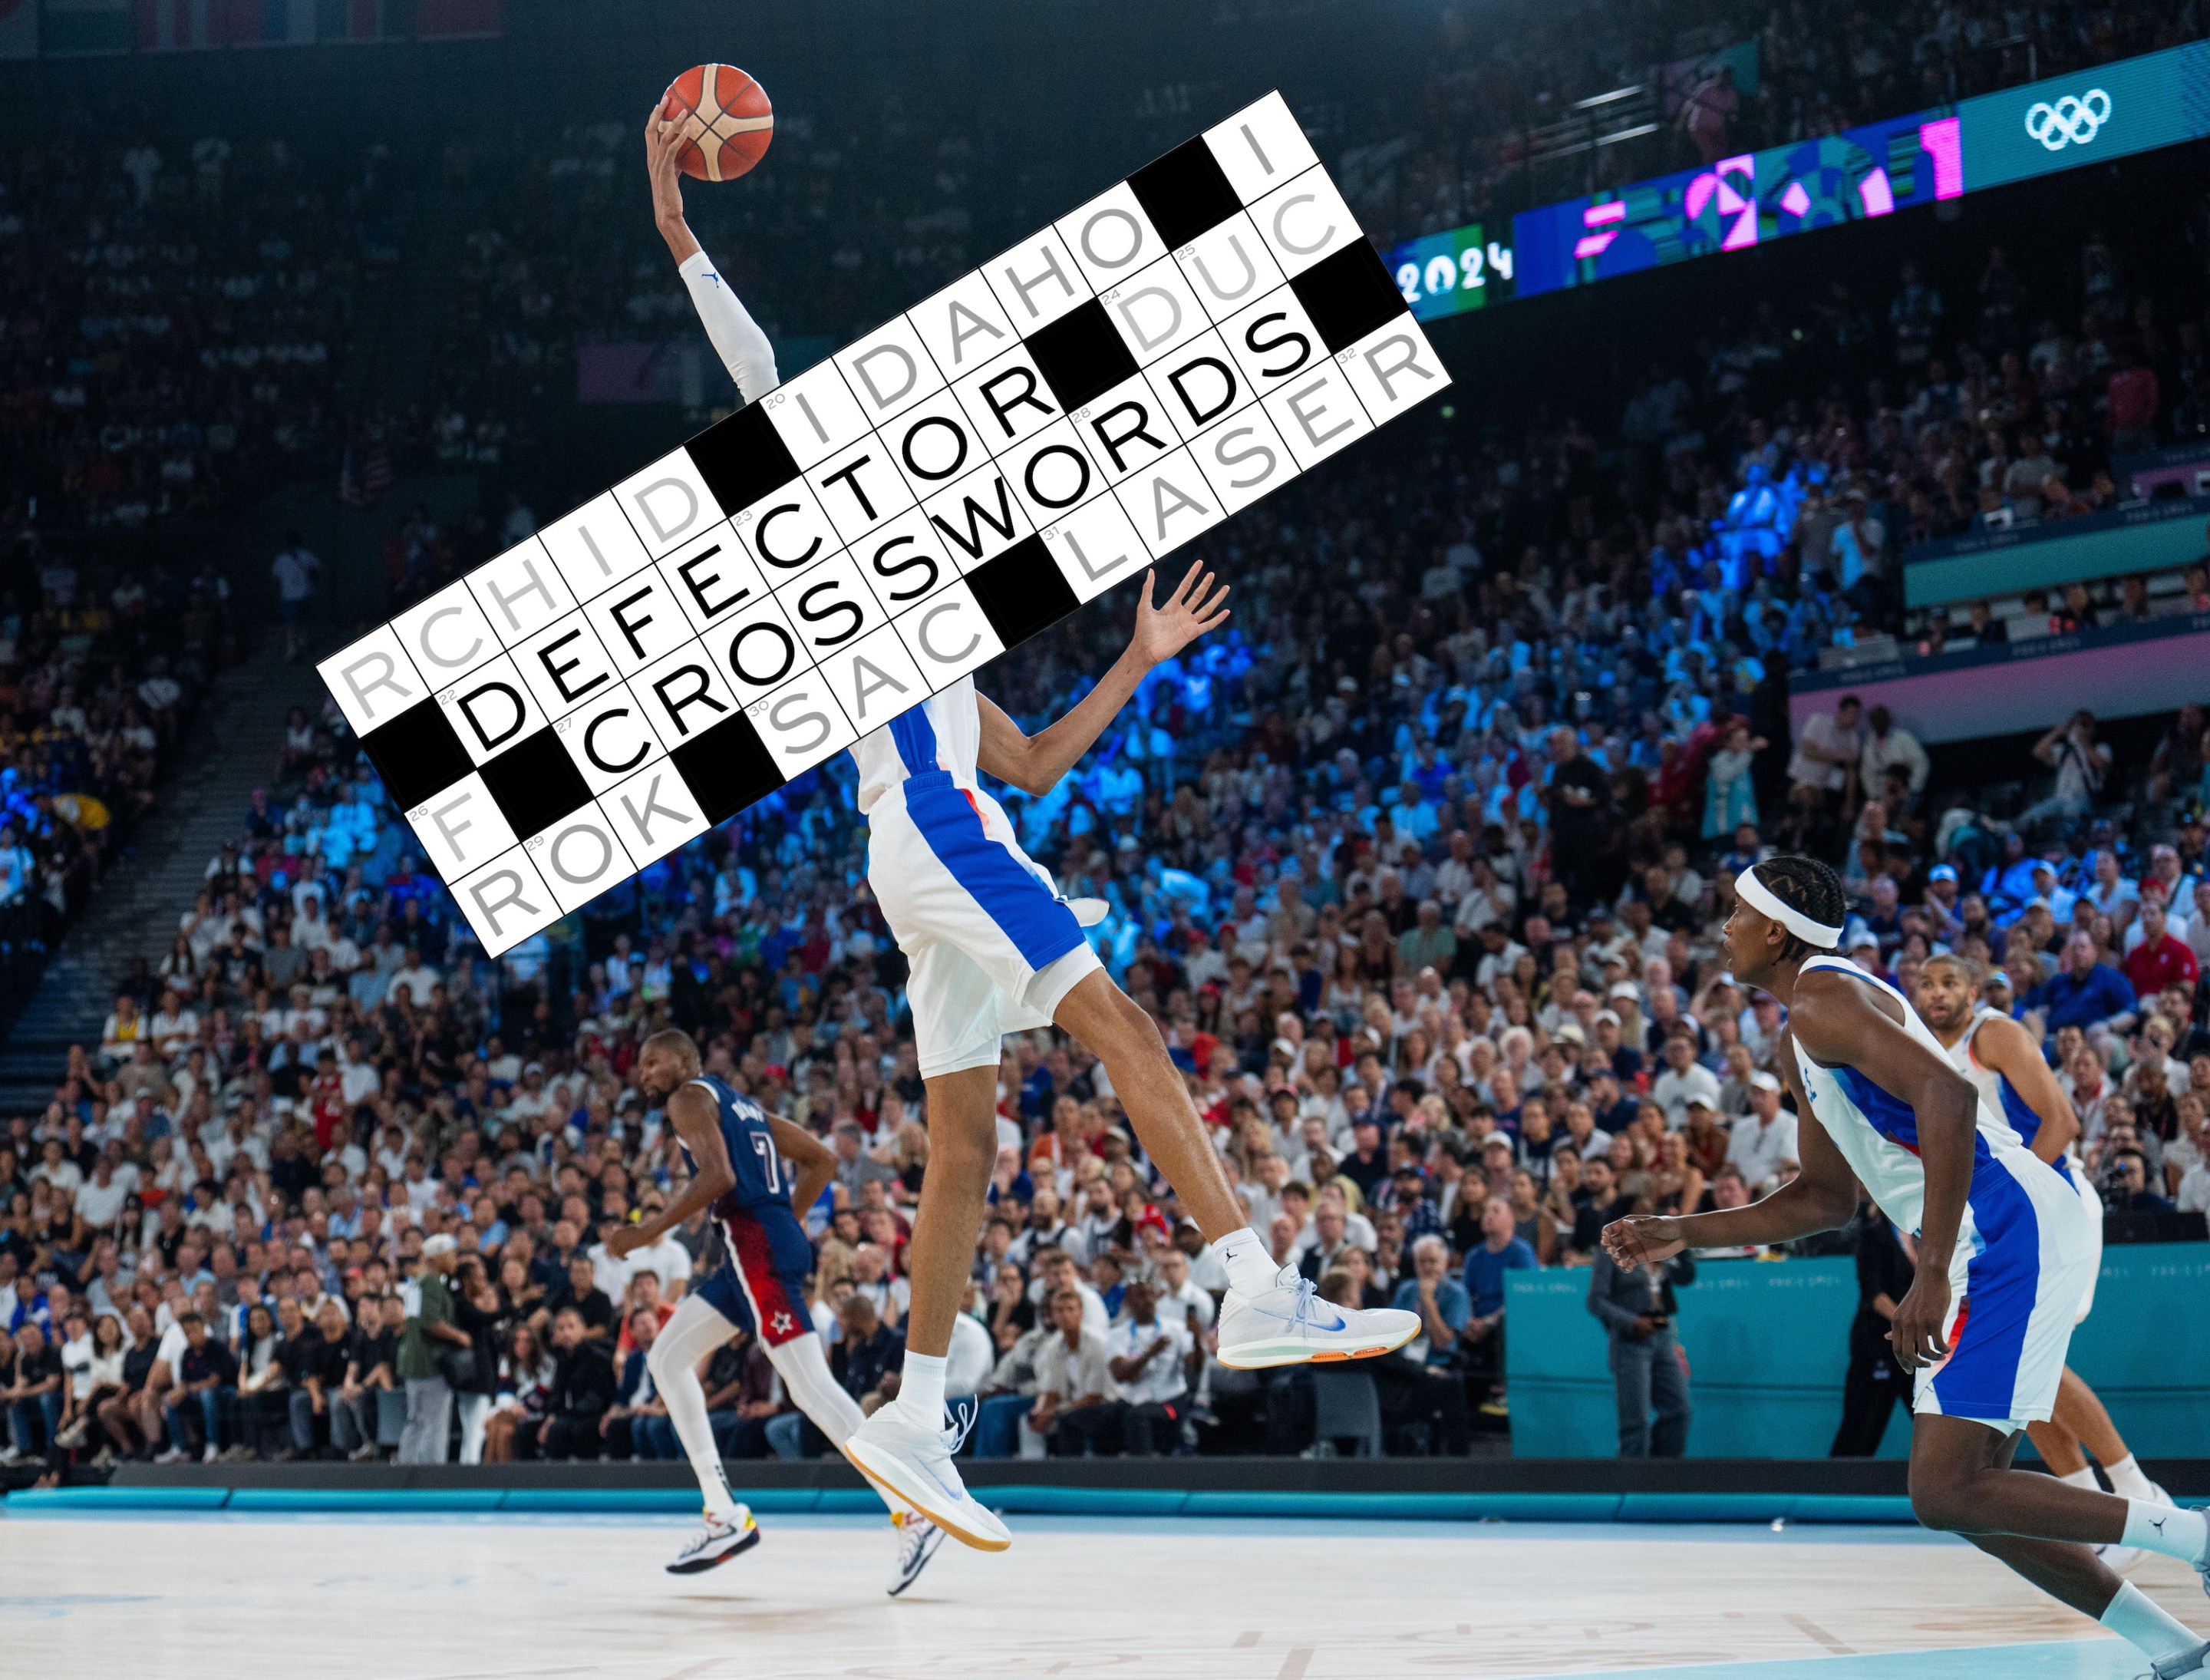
1421	872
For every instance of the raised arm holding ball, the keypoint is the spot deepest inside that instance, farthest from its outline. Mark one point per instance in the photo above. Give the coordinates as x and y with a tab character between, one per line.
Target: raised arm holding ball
743	347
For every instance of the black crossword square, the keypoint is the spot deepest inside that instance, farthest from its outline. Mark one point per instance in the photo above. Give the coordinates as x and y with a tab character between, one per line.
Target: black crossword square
1080	356
535	785
726	768
1348	295
416	754
1185	193
742	458
1022	591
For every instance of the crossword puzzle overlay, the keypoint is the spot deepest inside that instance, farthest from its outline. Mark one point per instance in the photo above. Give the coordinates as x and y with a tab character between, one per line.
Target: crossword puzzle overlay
882	524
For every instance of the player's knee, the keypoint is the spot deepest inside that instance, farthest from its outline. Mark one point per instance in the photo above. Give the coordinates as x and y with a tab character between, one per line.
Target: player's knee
1940	1503
1133	1027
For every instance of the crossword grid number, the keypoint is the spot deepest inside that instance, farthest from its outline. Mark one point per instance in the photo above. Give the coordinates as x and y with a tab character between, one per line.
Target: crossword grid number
941	490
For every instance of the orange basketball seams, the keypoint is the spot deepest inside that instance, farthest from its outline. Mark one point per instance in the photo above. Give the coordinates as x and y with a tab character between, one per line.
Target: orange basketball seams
726	120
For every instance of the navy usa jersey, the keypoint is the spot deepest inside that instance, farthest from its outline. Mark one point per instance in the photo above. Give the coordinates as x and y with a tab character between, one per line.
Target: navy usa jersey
761	1180
760	1284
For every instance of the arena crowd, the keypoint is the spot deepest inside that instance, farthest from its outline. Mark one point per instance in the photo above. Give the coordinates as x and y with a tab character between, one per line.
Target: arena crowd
1421	879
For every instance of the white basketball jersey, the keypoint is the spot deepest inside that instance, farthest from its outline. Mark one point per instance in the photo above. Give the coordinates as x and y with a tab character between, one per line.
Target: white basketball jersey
1877	1133
1998	1092
943	732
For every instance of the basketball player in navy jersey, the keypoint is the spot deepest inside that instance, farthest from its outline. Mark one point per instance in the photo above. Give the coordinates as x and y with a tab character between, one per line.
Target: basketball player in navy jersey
736	1154
2005	1256
2001	1058
994	949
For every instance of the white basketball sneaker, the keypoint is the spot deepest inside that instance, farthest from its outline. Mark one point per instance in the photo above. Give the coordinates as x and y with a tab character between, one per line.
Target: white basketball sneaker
910	1462
1291	1325
1089	911
717	1541
918	1539
2172	1668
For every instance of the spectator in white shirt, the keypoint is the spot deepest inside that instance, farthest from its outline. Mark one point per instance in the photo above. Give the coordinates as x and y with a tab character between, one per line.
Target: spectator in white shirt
2194	1191
1264	1197
667	1260
58	1170
1827	748
416	976
1149	1359
311	930
100	1199
358	1078
1888	745
1178	1294
872	1279
1055	1271
968	1365
1077	1401
1765	1137
173	1026
1684	1077
421	1189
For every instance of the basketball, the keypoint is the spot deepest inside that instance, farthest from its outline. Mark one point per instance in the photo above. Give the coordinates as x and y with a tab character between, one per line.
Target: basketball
727	120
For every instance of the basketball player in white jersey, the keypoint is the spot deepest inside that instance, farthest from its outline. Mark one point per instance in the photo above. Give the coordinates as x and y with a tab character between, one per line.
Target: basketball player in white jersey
994	949
696	1331
2000	1057
2004	1255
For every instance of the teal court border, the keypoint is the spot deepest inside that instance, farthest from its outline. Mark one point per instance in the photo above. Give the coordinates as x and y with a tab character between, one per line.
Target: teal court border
1652	1507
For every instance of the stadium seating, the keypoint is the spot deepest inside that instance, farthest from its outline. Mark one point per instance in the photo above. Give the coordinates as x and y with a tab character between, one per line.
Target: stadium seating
1337	875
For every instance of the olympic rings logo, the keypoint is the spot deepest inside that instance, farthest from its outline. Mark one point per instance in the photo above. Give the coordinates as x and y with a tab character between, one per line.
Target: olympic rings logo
2069	122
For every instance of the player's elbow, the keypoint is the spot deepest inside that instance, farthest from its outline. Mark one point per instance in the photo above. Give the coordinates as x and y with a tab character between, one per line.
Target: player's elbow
1032	776
1837	1206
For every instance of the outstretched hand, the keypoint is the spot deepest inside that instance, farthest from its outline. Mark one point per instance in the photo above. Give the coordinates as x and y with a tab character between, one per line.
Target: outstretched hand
1643	1239
1193	608
663	145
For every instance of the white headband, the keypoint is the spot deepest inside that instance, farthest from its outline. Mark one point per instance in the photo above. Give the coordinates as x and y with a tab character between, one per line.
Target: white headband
1762	898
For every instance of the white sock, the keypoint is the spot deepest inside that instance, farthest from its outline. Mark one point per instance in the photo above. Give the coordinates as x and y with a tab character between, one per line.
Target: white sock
2158	1635
921	1388
1250	1263
2128	1481
2082	1477
2170	1529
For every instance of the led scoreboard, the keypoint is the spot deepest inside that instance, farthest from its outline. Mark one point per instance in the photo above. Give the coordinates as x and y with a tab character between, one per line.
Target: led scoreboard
1752	199
1449	273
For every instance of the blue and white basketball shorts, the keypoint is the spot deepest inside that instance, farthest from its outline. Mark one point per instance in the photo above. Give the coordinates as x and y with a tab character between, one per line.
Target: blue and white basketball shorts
2026	1259
2076	1174
994	947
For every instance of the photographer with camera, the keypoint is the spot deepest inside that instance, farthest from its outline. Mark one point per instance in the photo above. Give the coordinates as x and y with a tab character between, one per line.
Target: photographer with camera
1637	1307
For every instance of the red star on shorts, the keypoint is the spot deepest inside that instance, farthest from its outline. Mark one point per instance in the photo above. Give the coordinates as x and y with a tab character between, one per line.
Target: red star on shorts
780	1322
